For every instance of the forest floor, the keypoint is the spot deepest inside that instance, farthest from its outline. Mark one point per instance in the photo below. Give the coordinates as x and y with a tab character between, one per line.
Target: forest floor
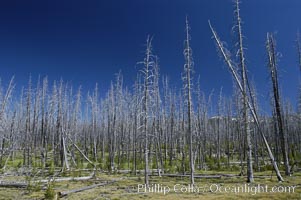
168	188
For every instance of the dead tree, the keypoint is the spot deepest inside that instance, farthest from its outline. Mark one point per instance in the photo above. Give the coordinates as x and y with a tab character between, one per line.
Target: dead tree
26	150
148	76
227	58
243	69
187	78
272	64
298	46
43	123
4	104
219	121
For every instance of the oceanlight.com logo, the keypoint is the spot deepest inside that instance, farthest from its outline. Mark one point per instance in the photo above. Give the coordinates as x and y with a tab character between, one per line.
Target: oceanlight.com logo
215	188
251	189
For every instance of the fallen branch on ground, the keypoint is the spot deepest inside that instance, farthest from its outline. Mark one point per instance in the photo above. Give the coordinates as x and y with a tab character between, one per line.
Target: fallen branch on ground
13	184
63	194
25	184
187	175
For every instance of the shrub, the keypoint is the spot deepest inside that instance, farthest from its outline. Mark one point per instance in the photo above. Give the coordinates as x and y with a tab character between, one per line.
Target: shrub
49	193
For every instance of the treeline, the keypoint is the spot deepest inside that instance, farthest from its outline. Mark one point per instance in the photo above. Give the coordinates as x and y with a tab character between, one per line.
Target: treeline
151	124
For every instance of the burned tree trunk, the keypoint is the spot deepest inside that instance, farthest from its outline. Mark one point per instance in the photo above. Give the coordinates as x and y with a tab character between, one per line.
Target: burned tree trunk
187	90
272	63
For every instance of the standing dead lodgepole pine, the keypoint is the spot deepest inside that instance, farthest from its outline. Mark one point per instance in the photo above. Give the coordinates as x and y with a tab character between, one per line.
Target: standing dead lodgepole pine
272	64
26	150
298	47
227	58
187	91
147	72
242	64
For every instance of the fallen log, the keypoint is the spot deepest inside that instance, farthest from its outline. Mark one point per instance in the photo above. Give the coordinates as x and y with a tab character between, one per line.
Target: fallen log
13	184
187	175
236	175
25	184
84	178
209	175
63	194
125	171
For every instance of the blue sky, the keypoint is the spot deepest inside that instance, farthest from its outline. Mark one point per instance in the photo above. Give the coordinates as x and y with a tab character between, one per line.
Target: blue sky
85	42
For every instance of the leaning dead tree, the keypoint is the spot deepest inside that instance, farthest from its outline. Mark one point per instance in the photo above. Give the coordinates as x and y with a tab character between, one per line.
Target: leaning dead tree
242	79
272	64
240	83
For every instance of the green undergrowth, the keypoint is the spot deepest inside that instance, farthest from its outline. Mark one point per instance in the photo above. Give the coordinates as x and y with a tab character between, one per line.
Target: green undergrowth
126	187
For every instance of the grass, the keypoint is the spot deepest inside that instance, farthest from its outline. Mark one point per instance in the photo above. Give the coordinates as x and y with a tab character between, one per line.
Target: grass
127	188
